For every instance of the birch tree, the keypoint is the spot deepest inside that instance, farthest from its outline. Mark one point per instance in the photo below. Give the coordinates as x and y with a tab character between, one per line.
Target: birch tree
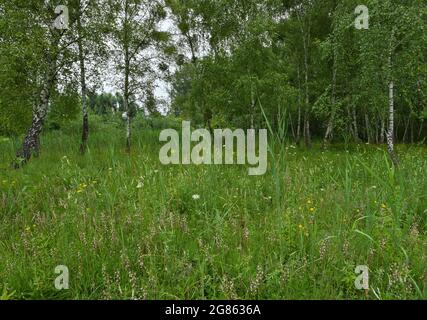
134	26
387	49
90	39
49	53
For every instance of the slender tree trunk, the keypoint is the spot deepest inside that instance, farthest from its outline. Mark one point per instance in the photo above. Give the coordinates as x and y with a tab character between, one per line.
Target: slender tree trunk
405	133
368	128
420	132
292	125
298	138
126	87
355	126
305	33
377	139
382	131
329	130
330	127
85	125
191	44
127	109
307	134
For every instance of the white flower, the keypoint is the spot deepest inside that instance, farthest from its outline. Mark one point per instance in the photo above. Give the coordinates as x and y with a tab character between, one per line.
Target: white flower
140	183
196	197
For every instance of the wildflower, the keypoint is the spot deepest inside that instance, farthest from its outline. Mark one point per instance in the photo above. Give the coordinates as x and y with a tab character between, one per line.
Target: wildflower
140	183
196	197
414	230
312	209
257	281
81	187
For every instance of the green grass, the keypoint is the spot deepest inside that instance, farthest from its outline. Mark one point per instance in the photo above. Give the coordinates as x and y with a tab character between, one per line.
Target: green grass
297	232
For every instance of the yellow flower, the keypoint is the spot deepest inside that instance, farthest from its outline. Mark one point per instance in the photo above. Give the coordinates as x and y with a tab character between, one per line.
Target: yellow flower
312	209
383	206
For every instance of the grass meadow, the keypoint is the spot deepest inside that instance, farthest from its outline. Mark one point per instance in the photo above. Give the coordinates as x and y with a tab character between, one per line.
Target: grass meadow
128	227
